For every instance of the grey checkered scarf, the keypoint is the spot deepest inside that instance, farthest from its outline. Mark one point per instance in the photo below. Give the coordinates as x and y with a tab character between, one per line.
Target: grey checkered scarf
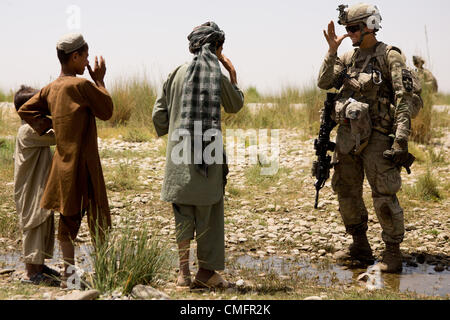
202	85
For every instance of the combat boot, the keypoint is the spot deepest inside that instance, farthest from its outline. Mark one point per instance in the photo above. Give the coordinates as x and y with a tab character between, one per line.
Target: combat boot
392	259
359	250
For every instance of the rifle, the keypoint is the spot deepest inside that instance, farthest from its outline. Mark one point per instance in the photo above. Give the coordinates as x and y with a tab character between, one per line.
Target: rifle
408	163
321	167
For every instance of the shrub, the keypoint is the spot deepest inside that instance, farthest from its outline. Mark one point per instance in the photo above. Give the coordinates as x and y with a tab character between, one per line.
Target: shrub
128	257
421	128
133	102
426	188
123	177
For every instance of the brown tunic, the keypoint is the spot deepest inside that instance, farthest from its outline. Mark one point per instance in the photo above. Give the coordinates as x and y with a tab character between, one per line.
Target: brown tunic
72	103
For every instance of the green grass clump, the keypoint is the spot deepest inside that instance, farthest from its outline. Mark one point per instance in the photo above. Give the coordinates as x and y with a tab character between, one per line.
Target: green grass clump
122	178
8	221
421	126
252	95
254	176
436	157
7	152
417	151
7	147
8	224
443	99
135	134
133	102
6	97
233	191
284	112
129	257
426	188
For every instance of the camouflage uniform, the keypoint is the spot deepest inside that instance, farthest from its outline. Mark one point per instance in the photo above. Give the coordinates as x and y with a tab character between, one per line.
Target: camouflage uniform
390	114
425	75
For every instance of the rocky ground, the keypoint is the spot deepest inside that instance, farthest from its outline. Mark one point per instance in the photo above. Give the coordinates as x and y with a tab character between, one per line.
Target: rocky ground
265	217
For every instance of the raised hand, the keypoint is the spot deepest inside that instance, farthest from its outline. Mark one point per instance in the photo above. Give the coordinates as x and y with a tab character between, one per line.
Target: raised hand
333	40
98	74
227	65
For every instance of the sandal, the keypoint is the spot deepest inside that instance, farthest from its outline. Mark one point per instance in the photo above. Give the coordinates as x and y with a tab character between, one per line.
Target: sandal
214	282
42	279
51	272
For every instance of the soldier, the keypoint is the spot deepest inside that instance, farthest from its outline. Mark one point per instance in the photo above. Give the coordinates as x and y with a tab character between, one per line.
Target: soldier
425	75
373	77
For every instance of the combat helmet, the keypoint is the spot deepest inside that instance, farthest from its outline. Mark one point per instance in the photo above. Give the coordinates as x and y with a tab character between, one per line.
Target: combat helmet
418	61
364	13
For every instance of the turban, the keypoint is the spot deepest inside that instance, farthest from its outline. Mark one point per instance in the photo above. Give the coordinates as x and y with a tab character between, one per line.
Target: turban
208	32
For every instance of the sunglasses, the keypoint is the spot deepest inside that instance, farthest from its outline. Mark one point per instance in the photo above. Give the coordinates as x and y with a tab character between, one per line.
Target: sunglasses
353	29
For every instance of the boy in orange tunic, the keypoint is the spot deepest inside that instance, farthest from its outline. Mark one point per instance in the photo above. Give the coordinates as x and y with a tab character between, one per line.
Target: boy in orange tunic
75	184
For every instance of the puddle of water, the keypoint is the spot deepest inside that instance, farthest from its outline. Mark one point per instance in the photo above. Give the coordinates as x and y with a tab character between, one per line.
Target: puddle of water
82	253
421	279
282	266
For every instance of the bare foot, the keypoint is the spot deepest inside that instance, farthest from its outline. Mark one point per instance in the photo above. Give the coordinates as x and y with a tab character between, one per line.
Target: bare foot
184	280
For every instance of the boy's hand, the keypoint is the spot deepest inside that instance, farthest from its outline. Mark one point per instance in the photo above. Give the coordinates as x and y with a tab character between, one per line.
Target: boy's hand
98	74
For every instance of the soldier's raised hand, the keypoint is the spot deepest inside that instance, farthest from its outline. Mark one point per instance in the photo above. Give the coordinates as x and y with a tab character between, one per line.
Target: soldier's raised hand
333	40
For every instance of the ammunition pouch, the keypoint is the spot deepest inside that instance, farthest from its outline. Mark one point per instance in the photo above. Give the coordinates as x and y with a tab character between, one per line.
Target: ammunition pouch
356	117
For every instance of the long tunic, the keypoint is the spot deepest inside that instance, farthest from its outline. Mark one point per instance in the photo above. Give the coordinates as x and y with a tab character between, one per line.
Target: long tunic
32	160
182	183
73	103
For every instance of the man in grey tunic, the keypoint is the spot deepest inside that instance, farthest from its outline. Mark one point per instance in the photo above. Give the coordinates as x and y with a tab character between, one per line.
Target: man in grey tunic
188	109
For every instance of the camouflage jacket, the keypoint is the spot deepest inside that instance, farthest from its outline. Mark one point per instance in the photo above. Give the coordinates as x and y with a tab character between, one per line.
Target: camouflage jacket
373	76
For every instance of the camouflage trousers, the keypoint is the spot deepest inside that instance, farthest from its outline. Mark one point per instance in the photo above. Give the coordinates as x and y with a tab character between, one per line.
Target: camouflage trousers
385	181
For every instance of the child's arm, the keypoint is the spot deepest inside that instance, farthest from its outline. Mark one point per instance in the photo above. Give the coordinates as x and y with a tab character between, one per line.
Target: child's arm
98	97
33	140
35	112
99	100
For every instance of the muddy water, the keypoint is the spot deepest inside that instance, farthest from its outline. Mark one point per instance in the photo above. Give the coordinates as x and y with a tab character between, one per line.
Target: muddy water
421	279
82	253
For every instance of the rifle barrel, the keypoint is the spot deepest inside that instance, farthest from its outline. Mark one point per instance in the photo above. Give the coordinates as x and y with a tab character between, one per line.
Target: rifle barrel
316	205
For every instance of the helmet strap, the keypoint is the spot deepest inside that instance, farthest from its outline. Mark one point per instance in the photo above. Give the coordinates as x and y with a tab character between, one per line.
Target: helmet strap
363	34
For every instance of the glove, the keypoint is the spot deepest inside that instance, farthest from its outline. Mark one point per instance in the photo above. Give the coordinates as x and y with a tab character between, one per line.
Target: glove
398	153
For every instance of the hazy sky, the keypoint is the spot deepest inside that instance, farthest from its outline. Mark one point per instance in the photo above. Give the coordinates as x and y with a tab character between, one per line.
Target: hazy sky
273	44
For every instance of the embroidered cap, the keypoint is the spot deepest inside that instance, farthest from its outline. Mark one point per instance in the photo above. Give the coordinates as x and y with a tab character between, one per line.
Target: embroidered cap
70	42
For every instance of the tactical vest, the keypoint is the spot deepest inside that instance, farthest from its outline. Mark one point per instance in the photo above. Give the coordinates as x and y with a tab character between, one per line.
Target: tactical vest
368	80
